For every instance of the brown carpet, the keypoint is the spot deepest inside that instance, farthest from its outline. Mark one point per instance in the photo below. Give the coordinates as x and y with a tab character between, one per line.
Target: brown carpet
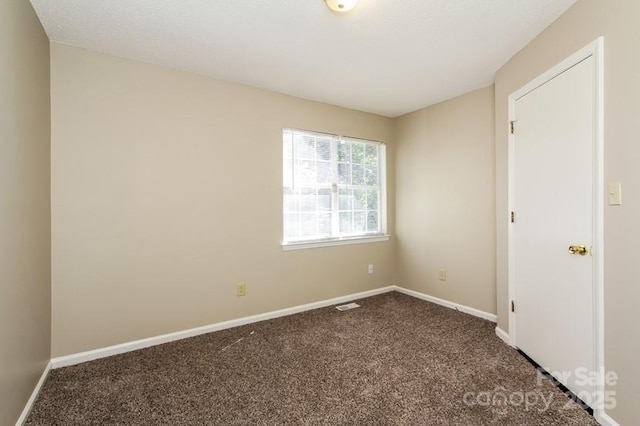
394	361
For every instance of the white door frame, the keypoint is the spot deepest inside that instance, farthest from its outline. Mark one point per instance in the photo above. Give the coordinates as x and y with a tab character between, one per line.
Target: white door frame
594	49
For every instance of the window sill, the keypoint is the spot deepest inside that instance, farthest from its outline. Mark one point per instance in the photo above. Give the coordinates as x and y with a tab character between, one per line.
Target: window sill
337	242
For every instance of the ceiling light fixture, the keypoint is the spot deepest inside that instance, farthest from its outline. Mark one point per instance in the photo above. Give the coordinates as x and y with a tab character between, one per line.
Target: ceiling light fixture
341	5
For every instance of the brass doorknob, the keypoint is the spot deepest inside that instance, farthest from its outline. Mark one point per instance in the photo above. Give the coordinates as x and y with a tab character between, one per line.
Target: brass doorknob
581	250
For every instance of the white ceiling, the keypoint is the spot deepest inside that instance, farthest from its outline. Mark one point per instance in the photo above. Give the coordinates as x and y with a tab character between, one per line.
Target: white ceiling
388	57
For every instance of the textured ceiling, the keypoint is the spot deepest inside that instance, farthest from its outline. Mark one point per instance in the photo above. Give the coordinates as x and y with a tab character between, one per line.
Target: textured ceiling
388	57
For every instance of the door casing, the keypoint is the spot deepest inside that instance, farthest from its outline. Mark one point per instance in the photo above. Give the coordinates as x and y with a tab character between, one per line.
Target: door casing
594	49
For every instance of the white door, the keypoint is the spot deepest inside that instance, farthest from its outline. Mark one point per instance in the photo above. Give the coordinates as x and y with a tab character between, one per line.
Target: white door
552	198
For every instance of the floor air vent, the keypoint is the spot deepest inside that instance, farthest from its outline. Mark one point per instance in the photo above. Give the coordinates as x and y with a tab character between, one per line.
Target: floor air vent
347	306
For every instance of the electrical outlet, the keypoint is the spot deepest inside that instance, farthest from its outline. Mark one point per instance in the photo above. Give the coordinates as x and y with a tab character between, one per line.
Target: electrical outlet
442	274
241	289
370	269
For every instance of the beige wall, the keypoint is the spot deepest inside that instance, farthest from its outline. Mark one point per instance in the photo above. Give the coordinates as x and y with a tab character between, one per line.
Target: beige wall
166	191
25	278
617	21
445	200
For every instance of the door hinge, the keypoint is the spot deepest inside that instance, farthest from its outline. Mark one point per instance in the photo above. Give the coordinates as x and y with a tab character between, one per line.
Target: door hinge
513	217
513	306
513	126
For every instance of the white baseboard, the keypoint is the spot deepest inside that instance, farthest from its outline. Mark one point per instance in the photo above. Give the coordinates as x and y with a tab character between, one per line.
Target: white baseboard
448	304
604	419
34	395
503	335
81	357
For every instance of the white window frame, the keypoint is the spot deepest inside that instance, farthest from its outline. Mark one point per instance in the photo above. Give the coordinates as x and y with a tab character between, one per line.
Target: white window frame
351	239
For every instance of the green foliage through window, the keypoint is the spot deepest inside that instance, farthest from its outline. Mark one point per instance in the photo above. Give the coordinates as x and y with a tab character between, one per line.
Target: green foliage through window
332	187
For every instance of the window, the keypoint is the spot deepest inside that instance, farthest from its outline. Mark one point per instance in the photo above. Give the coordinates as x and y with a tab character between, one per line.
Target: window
333	189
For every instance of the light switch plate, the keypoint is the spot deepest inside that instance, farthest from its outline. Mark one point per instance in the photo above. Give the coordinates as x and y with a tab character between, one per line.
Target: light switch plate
615	194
